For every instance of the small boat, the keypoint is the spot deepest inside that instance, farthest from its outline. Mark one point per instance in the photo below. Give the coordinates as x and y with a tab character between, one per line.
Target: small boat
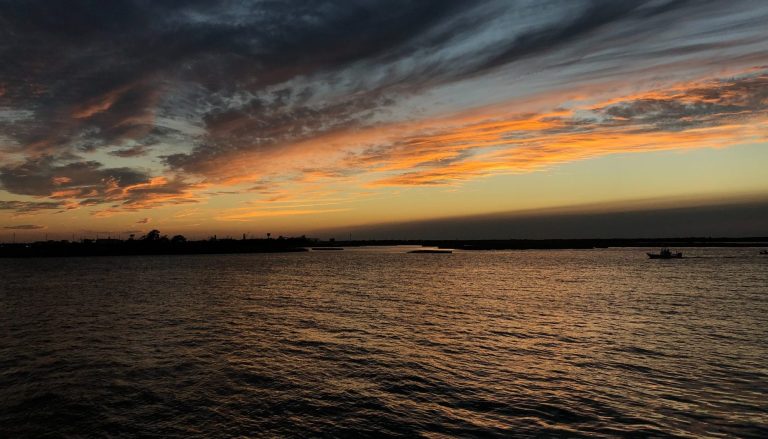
764	252
431	251
326	248
665	253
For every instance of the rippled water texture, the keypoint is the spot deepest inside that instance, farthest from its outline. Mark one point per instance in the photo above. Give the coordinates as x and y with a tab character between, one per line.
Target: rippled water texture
375	341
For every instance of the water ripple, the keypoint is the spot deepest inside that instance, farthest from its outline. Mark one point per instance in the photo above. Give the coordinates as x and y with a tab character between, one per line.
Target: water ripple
370	343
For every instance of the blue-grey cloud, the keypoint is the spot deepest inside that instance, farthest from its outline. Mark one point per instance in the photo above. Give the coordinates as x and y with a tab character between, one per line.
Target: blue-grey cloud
87	183
44	176
31	206
717	103
187	85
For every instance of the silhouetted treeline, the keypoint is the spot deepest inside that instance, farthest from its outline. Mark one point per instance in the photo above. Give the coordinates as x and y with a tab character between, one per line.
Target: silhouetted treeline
560	244
523	244
153	243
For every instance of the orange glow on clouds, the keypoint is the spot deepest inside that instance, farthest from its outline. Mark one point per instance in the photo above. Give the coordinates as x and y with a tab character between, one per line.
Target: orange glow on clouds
441	151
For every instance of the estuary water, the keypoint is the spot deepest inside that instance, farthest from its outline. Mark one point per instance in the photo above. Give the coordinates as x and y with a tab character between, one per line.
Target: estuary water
373	342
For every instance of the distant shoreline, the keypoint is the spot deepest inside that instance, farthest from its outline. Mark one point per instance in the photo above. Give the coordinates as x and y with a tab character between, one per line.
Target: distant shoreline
114	247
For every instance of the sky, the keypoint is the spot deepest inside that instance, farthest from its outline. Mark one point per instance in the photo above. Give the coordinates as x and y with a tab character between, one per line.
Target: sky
321	117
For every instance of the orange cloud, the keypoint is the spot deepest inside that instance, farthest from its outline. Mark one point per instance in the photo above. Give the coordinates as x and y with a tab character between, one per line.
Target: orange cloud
247	215
451	149
98	106
712	114
493	140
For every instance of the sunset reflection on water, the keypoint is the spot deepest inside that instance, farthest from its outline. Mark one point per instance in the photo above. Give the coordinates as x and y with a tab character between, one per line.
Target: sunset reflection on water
377	341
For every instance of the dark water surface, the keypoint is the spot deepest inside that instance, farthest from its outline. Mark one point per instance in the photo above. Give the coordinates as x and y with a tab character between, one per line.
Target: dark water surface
371	342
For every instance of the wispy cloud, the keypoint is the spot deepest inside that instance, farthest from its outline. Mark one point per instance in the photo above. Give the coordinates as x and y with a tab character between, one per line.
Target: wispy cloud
711	114
272	98
31	207
89	183
248	214
25	227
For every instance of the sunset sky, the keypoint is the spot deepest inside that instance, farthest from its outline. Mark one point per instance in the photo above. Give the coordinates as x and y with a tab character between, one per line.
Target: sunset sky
299	117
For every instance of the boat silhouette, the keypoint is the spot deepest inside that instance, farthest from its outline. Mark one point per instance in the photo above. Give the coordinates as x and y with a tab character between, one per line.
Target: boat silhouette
665	253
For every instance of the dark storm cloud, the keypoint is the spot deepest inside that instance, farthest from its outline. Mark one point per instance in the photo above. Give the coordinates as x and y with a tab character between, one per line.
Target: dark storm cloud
96	74
261	126
594	14
93	72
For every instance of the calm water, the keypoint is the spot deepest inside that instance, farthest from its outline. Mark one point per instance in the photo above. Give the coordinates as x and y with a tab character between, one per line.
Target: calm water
374	341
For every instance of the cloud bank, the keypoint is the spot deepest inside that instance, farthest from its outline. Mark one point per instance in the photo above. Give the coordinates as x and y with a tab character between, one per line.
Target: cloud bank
718	219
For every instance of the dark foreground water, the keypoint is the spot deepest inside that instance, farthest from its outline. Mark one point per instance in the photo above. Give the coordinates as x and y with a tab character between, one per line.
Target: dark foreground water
378	342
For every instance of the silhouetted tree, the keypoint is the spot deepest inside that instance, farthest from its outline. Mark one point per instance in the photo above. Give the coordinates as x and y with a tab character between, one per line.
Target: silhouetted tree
153	235
178	239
